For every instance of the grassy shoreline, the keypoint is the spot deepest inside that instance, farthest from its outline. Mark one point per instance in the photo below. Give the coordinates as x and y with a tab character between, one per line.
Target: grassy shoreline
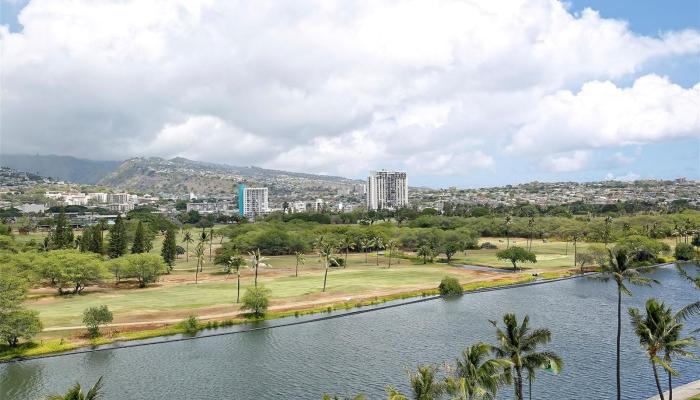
55	346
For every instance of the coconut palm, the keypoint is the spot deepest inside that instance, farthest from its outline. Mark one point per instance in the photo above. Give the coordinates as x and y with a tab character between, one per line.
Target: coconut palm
531	229
236	261
378	244
211	241
203	238
477	376
347	244
506	224
695	280
424	385
187	239
76	392
256	261
518	344
199	253
365	243
391	246
300	261
620	270
326	249
659	332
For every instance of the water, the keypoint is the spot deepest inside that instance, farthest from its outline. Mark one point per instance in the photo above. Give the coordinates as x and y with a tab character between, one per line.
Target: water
363	353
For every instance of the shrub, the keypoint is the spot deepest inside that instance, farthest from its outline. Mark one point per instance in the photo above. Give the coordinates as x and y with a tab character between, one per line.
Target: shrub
93	317
488	245
449	286
190	325
685	252
256	301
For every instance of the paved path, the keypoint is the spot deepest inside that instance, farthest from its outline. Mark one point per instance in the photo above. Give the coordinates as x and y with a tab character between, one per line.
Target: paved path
684	392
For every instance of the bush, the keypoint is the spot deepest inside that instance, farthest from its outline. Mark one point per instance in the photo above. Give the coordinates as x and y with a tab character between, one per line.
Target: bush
190	325
93	317
488	245
685	252
256	300
449	286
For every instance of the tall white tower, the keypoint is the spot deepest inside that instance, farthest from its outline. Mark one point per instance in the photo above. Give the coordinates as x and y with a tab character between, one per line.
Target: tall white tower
387	190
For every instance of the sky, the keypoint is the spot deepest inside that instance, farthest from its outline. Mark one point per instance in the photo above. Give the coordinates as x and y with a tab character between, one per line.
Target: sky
456	93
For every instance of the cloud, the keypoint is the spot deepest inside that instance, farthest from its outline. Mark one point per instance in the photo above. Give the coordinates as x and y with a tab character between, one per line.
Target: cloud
628	177
570	162
337	87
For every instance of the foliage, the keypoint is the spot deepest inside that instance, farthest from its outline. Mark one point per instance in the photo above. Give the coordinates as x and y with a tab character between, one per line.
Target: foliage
256	300
516	254
190	324
641	248
76	392
139	245
477	376
71	269
169	249
61	235
450	286
146	268
117	238
685	252
93	317
18	324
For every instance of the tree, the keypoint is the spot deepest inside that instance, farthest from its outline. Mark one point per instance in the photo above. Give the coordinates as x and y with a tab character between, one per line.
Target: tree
256	261
199	253
94	317
607	230
187	239
426	252
583	258
659	332
146	268
507	221
300	261
96	244
169	249
19	324
139	245
326	248
516	255
347	244
235	261
518	344
449	286
378	244
685	252
477	376
364	245
451	245
424	385
84	240
76	392
61	236
70	268
620	271
391	247
117	238
531	230
256	300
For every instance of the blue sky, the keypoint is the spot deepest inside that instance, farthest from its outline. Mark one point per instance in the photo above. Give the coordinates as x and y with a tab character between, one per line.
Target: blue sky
456	94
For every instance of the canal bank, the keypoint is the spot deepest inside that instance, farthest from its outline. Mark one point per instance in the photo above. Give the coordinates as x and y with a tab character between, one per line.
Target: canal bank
684	392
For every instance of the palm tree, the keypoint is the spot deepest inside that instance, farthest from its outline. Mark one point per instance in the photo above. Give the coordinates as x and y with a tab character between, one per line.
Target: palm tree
76	392
199	253
620	270
203	238
236	261
364	243
424	385
325	252
506	223
695	280
187	239
606	233
391	246
347	244
256	260
300	260
378	244
518	344
659	333
211	240
531	229
477	376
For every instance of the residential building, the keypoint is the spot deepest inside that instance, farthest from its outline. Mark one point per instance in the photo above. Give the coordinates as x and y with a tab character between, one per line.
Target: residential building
252	201
387	190
211	208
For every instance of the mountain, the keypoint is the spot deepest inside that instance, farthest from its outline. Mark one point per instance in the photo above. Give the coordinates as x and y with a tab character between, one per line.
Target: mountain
65	168
180	175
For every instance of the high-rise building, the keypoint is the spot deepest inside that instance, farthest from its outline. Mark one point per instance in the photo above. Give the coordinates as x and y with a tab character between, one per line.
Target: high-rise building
387	190
252	202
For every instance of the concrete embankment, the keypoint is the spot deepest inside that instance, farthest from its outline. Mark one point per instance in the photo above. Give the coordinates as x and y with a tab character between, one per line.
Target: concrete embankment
685	392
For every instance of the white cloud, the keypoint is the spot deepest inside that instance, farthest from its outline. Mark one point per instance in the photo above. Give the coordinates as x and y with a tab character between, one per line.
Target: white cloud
570	162
628	177
336	87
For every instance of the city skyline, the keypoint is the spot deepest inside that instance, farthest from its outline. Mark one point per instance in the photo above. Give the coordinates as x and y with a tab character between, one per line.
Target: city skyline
581	91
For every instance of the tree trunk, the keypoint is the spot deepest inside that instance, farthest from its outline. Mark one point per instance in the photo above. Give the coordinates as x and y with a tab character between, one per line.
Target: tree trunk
518	384
296	269
656	380
346	258
366	256
617	349
377	257
211	238
238	288
670	387
187	252
325	277
196	272
256	274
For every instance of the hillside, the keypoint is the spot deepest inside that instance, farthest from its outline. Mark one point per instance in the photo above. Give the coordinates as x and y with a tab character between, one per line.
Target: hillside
180	175
65	168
